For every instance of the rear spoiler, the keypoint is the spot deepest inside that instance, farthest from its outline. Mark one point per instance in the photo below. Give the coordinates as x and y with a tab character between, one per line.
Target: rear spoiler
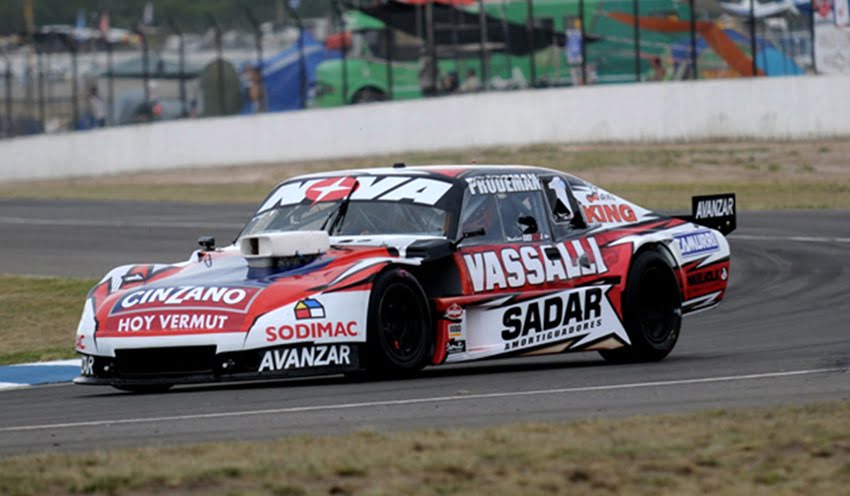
714	211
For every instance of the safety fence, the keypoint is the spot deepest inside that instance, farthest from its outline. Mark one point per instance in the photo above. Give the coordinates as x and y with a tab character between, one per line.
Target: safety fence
56	79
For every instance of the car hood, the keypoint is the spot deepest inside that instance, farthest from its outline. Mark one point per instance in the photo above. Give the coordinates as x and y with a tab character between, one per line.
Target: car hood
219	291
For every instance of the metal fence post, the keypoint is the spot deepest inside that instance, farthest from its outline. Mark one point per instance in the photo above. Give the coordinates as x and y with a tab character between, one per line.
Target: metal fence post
388	47
39	60
8	78
482	26
340	15
694	71
431	48
71	45
258	43
145	67
529	26
753	36
302	65
636	27
184	106
110	84
219	50
812	35
583	43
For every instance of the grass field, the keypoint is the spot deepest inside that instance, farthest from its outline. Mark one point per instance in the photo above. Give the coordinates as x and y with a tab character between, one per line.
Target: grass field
792	175
39	317
775	451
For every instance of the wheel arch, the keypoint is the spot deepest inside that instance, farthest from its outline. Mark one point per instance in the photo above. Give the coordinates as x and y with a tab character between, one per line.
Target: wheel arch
664	250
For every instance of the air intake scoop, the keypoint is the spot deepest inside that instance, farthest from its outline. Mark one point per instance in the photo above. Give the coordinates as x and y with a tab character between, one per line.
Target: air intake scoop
274	248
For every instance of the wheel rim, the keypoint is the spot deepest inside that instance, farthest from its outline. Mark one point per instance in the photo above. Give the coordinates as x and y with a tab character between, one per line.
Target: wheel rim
656	309
400	323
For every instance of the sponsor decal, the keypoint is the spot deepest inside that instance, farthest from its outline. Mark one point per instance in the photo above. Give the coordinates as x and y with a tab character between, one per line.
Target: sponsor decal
595	195
172	322
139	274
309	308
381	188
455	330
613	213
503	183
552	319
80	345
697	243
225	299
87	366
709	276
132	278
715	207
455	346
312	331
454	312
529	237
601	207
306	357
531	265
330	189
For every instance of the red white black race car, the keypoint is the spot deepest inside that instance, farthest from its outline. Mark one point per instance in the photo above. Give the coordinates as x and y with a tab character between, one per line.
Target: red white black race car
390	270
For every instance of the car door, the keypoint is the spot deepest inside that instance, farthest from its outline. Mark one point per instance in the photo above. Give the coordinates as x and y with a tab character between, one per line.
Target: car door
521	256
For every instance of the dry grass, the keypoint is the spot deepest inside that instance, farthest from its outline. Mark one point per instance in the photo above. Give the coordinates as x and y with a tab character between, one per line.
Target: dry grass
809	174
39	317
777	451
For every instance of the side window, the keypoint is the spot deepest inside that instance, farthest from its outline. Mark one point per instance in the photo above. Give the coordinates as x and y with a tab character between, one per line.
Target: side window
481	212
563	207
524	216
505	217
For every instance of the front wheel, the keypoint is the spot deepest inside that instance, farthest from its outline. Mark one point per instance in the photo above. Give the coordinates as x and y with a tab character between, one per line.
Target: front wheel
399	336
652	311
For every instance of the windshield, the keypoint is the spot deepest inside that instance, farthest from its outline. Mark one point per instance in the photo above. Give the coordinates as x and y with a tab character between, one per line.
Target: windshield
362	218
413	204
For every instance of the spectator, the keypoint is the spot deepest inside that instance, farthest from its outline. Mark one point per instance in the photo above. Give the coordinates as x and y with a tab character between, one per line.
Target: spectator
573	52
426	75
657	69
151	109
254	92
449	83
97	107
471	83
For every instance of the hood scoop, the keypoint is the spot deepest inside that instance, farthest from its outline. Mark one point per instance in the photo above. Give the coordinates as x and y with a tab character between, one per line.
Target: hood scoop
283	250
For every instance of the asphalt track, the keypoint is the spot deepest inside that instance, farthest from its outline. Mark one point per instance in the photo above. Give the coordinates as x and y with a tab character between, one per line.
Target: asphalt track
781	337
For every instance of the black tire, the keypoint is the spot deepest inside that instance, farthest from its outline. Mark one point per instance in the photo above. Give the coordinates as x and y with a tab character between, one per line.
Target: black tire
652	311
144	388
399	338
368	95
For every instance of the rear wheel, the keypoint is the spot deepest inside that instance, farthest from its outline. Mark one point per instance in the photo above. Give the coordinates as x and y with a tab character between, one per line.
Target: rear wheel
368	95
399	337
652	311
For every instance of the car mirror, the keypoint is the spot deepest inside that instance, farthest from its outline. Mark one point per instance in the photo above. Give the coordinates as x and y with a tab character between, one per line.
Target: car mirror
470	234
207	243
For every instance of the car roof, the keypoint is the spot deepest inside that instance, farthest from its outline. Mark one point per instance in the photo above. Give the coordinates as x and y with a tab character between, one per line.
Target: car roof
451	171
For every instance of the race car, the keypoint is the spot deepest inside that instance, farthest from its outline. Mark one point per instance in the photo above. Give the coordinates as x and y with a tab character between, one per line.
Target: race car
386	271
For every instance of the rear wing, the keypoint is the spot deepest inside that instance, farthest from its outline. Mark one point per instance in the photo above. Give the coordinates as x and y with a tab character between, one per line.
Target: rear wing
714	211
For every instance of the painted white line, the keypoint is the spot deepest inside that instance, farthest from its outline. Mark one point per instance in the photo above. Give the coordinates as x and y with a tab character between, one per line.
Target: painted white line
75	362
811	239
414	401
11	385
109	223
801	239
